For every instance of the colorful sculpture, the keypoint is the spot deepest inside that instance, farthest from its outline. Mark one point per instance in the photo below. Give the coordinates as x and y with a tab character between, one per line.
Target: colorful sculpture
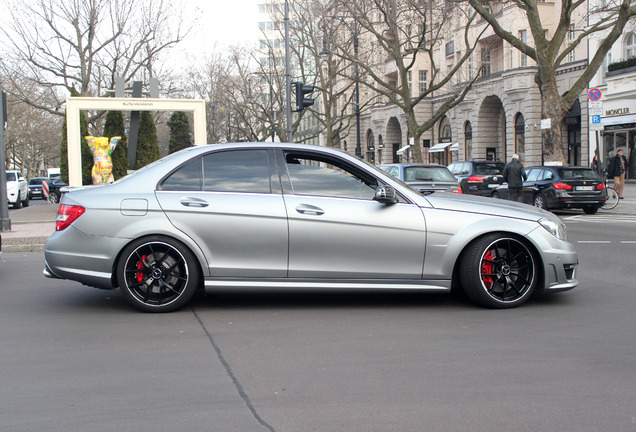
102	160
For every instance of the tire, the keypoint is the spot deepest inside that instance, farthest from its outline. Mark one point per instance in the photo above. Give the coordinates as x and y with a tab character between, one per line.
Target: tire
157	274
499	272
612	199
18	202
495	195
539	201
54	198
590	210
25	203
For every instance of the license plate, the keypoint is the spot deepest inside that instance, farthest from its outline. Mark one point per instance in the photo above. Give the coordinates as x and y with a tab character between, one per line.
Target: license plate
493	185
584	188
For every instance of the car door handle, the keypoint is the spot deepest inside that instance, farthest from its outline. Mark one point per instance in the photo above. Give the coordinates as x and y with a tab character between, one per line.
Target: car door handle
193	202
309	210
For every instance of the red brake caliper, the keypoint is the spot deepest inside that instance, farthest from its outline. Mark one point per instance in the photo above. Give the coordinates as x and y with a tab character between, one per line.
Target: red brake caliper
140	265
486	269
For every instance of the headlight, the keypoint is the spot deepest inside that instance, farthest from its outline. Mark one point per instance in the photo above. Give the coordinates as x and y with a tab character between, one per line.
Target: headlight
557	229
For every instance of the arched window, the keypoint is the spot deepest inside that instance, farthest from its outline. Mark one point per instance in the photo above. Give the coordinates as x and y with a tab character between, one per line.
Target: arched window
520	136
445	132
370	146
630	45
468	141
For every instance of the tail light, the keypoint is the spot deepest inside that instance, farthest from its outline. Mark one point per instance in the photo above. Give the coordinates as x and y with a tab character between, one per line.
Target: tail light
66	215
562	186
458	189
475	179
600	186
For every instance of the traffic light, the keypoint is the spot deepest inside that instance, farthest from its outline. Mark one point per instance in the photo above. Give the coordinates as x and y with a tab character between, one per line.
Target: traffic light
301	101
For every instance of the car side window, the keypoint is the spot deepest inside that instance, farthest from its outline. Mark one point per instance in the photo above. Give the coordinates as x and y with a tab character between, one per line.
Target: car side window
465	169
533	174
186	178
313	175
236	171
226	171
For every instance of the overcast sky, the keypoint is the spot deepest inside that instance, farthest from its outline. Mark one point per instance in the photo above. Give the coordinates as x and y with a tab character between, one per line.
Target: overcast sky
223	22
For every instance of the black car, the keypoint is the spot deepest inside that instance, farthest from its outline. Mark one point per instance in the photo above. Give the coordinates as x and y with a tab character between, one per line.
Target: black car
478	177
35	187
561	187
55	189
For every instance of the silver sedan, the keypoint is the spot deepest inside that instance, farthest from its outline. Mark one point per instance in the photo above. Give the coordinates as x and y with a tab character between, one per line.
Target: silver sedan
291	216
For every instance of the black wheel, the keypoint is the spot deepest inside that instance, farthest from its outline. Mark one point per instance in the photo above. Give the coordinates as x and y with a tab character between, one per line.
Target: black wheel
157	274
18	202
25	202
54	198
496	195
539	201
499	272
590	209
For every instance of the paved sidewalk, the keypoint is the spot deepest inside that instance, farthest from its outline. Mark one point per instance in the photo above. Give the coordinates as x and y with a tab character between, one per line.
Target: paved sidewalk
32	225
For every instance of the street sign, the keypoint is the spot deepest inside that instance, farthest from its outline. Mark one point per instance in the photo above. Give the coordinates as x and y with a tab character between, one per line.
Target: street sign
596	127
595	119
595	111
594	94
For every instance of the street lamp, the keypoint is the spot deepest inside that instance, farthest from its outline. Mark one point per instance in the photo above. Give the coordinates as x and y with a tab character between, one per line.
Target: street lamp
356	74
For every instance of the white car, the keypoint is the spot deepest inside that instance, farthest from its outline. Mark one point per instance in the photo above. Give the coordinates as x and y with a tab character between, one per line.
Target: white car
17	190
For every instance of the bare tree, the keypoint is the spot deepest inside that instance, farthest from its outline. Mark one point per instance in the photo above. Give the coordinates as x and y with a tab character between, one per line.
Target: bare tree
83	44
410	34
32	136
550	48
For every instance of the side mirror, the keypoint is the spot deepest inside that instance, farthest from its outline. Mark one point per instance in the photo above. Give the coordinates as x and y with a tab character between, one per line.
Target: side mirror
385	195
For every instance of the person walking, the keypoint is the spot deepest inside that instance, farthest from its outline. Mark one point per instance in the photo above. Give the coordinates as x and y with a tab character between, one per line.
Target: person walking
514	174
617	168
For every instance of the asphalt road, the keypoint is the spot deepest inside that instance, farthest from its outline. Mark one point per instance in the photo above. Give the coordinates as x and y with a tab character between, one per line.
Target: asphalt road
76	358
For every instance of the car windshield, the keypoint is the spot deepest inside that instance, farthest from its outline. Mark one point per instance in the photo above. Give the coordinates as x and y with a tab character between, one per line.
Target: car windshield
12	176
431	174
35	181
577	174
489	168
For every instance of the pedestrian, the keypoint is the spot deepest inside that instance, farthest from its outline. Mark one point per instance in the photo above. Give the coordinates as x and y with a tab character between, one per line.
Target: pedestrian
597	165
618	169
514	174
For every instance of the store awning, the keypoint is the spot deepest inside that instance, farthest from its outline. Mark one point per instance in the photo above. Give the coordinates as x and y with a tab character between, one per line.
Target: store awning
454	147
402	150
438	147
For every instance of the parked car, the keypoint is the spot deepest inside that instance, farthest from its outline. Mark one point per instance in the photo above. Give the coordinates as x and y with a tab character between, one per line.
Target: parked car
57	187
292	216
35	187
425	178
561	187
478	177
17	190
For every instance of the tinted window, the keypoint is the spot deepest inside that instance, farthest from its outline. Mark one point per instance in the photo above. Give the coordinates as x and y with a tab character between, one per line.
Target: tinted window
35	181
311	176
237	171
11	176
427	174
489	168
186	178
577	174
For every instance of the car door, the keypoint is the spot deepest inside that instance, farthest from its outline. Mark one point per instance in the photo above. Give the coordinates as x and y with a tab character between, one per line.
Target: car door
337	229
230	204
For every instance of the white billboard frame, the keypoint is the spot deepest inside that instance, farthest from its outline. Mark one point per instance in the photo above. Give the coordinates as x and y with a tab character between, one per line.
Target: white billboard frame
76	104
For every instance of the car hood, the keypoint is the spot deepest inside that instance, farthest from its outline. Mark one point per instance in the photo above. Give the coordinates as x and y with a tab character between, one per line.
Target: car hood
485	205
